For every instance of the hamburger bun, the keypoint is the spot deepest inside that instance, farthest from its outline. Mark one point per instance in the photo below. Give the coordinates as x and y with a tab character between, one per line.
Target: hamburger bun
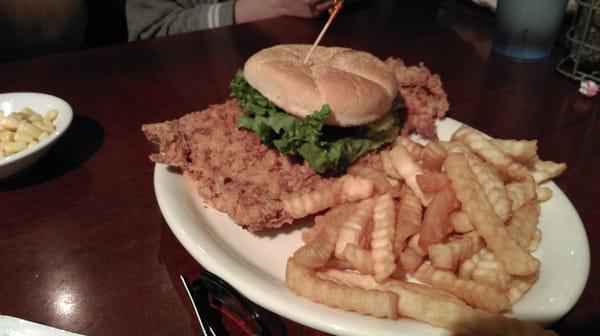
357	86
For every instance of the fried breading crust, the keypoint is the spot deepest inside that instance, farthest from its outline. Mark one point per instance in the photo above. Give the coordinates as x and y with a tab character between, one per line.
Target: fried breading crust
246	179
423	96
234	172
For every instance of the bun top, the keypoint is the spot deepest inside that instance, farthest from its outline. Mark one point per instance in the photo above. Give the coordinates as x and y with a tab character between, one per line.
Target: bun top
357	86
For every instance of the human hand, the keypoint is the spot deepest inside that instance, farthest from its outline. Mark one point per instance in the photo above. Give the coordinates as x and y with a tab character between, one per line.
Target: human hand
303	8
252	10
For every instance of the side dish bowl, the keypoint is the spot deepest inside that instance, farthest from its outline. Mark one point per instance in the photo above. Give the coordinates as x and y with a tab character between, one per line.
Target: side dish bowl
41	103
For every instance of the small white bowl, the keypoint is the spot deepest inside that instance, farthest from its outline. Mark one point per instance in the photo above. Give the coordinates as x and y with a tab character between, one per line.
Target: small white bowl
40	103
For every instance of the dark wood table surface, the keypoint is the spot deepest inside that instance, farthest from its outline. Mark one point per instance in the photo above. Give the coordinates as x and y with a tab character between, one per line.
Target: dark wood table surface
83	245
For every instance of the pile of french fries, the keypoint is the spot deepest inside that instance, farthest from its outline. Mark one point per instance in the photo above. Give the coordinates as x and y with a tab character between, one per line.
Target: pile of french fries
459	216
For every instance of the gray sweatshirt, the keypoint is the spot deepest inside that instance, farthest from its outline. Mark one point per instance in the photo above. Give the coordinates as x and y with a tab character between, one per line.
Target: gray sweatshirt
153	18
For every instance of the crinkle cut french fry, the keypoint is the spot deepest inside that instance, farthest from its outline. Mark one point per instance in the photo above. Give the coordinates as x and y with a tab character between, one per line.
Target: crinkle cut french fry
485	268
415	149
365	239
410	260
334	263
382	237
519	286
303	281
335	216
435	307
543	171
352	229
477	295
428	307
535	240
413	243
380	183
484	148
467	267
388	166
302	205
455	147
543	193
355	188
396	184
448	255
493	186
317	252
460	222
396	187
426	290
523	151
432	182
434	155
367	281
521	192
436	220
483	217
523	223
359	258
408	219
495	277
408	168
490	271
353	279
483	256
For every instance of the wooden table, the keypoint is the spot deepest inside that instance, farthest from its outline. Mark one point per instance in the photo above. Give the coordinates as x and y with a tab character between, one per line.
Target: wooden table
83	245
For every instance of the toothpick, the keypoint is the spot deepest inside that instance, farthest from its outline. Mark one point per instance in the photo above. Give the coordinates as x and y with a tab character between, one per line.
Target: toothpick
333	11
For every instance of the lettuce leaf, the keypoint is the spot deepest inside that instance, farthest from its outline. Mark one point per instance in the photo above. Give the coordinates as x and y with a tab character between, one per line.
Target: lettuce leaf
327	149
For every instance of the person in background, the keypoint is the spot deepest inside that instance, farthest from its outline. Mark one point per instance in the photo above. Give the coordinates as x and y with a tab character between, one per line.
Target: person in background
154	18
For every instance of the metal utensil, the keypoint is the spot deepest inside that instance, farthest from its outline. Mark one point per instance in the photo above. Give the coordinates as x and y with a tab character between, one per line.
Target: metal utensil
211	296
201	319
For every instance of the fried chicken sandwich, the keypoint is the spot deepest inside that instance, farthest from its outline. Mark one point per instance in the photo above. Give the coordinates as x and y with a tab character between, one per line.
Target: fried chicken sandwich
293	126
329	111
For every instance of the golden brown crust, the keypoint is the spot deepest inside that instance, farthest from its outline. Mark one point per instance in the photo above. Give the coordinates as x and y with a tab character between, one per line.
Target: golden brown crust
233	171
423	96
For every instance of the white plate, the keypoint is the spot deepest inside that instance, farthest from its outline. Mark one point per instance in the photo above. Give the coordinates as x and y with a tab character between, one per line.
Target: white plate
40	103
12	326
255	264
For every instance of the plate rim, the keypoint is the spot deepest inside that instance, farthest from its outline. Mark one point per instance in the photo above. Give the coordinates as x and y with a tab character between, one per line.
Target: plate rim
229	273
